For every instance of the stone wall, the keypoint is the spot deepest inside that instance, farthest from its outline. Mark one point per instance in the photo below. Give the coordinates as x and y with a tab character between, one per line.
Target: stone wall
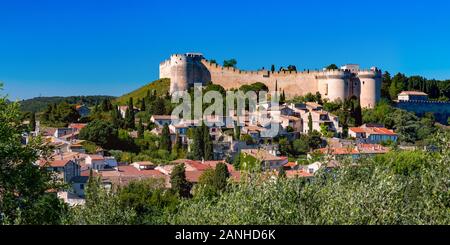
441	110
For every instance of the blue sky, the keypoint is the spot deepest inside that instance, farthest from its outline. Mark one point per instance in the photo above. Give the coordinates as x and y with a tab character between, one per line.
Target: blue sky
111	47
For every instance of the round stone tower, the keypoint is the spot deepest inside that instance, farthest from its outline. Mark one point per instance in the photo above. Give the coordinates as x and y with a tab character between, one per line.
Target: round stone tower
336	83
370	83
184	70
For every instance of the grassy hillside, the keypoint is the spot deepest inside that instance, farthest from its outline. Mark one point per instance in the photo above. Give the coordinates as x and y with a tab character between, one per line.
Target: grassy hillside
161	87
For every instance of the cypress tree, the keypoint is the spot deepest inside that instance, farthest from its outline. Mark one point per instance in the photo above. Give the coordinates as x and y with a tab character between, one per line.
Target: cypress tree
105	106
221	176
178	145
129	115
166	143
178	181
116	117
197	145
207	143
140	129
237	131
237	161
283	97
143	107
357	114
33	122
276	86
310	123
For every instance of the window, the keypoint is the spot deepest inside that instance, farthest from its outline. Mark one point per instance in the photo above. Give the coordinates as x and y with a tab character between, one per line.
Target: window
81	186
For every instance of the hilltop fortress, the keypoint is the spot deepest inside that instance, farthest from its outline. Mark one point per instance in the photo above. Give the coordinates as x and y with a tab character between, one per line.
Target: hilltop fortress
186	69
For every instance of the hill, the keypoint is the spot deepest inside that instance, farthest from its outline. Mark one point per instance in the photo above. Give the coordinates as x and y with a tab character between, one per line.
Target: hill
161	87
39	104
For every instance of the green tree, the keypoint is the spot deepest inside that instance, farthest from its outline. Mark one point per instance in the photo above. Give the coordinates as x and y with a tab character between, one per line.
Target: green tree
301	145
197	146
116	118
385	85
130	115
148	198
314	139
178	145
25	196
284	146
332	67
94	211
101	133
237	131
319	98
272	68
106	105
398	84
207	144
282	98
178	181
143	107
140	129
221	175
310	123
230	63
33	122
166	142
237	161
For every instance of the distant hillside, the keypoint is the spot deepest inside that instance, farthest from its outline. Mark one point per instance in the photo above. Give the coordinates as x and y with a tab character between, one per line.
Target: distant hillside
39	104
161	87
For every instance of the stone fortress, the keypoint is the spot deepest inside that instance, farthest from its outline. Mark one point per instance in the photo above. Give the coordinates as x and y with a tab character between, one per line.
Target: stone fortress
186	69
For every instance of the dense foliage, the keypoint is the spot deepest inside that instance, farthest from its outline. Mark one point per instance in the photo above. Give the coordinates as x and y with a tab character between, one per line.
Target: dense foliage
409	127
24	187
60	115
436	89
39	104
378	191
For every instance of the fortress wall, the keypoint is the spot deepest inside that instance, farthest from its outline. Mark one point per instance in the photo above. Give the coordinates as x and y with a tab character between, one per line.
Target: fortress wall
293	83
441	110
184	70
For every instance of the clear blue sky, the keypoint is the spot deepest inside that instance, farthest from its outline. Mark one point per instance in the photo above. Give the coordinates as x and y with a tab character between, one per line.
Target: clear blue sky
111	47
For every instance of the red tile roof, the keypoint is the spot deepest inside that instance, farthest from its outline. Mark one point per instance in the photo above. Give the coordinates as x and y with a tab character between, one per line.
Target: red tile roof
373	130
383	131
55	163
358	130
77	126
